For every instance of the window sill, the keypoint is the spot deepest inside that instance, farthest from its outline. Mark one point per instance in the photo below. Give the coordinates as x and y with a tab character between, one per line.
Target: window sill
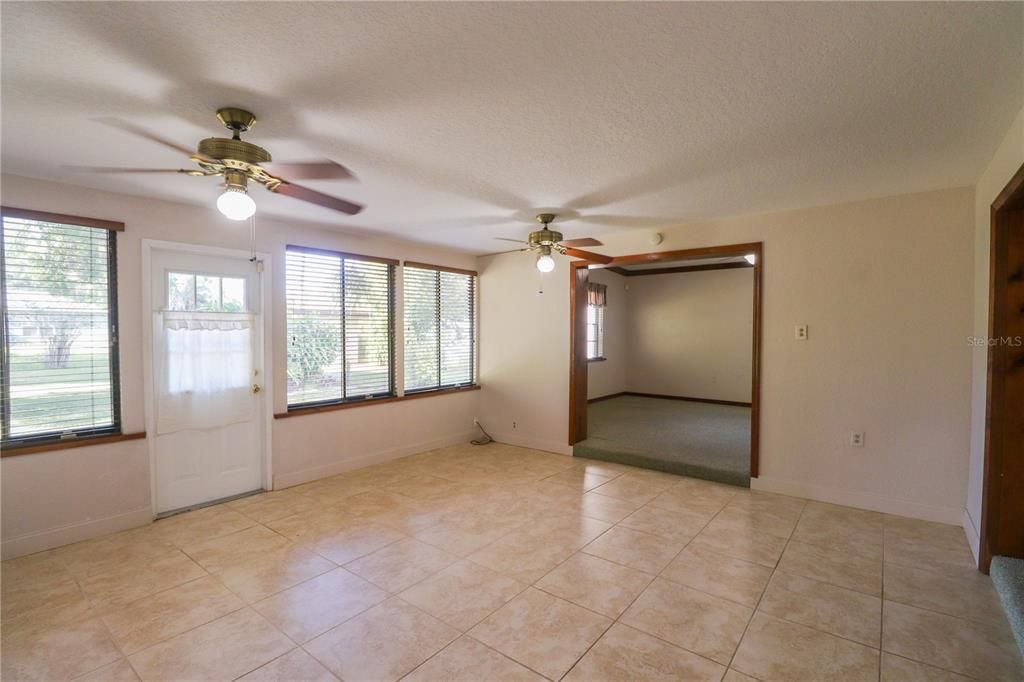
301	411
596	359
71	443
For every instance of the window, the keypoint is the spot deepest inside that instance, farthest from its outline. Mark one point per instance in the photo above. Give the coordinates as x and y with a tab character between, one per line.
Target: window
188	292
595	332
58	282
597	300
340	311
439	325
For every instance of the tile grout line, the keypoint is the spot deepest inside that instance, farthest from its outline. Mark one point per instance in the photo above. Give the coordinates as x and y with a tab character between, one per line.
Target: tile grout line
92	613
881	611
618	619
757	606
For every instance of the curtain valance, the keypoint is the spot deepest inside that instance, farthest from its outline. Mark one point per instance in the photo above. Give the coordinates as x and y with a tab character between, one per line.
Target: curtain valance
208	321
597	294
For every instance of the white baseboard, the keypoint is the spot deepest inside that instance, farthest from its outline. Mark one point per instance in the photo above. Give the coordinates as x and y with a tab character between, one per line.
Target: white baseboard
859	499
526	442
75	532
315	473
973	535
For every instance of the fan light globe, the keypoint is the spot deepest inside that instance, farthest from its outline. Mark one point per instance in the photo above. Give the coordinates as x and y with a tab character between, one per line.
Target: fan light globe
236	204
545	263
750	258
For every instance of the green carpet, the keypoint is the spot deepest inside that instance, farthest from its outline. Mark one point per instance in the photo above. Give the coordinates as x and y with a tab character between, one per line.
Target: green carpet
1008	578
678	436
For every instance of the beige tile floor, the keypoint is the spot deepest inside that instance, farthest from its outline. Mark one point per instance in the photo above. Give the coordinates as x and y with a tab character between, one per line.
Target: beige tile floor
501	563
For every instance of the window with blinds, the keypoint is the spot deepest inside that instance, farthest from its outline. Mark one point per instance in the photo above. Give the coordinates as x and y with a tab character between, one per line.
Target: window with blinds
595	332
340	312
439	328
58	356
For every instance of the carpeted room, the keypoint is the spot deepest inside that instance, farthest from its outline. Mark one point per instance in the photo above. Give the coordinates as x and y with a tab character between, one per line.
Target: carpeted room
670	366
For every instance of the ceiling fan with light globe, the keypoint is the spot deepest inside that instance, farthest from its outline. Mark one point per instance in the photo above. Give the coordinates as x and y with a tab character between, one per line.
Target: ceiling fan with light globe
240	162
545	241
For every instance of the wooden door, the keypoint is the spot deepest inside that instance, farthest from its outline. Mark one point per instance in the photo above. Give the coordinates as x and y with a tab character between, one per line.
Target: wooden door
1002	521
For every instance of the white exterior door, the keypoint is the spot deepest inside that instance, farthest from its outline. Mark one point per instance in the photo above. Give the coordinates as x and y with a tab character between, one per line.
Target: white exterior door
207	411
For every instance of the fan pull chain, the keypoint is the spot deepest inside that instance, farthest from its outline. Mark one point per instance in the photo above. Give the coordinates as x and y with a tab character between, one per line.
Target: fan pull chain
252	238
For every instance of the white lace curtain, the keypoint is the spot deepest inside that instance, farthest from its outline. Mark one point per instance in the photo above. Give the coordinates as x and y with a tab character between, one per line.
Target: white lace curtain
205	370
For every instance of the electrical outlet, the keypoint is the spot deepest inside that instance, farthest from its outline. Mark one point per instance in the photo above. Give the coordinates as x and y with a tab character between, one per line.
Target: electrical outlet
801	332
513	426
856	439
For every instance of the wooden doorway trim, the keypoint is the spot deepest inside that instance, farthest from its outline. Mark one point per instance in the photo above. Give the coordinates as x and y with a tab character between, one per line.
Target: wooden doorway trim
578	278
1001	469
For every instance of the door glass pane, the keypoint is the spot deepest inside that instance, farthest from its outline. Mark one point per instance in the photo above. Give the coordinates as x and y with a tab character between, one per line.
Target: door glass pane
233	294
207	293
181	291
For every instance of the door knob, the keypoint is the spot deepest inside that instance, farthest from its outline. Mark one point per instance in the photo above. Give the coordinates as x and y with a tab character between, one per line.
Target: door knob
256	388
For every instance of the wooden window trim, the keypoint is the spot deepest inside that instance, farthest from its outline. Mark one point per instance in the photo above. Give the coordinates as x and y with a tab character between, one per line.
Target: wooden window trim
440	268
114	431
474	345
342	254
393	265
80	442
598	359
317	409
60	218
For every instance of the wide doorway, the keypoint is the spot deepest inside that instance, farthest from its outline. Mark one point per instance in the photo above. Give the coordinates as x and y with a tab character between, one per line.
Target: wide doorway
666	362
206	384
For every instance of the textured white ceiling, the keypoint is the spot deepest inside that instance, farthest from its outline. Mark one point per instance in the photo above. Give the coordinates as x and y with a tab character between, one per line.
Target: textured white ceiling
462	119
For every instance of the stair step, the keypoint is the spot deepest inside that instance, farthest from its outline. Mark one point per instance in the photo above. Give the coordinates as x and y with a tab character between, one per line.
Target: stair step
1008	578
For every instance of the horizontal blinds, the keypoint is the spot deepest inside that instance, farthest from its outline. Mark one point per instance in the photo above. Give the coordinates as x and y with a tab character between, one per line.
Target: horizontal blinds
339	313
314	315
367	321
422	343
595	331
439	334
456	328
59	322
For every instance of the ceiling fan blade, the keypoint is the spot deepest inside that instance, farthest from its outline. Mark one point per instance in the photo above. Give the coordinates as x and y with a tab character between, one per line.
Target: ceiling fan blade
145	134
319	198
588	255
105	169
506	239
498	253
585	241
312	170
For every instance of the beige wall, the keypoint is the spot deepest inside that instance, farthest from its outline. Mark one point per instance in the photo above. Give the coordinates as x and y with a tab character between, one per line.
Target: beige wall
56	497
885	288
1007	159
609	377
690	334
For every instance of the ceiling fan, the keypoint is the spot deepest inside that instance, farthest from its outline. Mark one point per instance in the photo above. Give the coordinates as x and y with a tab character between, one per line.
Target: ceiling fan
546	240
239	162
